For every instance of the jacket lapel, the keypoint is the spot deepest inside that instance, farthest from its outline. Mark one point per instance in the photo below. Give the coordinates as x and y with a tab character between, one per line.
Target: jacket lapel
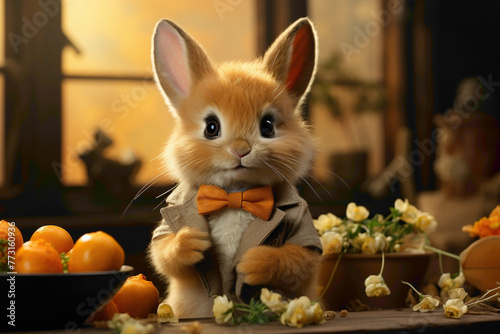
181	211
256	233
258	230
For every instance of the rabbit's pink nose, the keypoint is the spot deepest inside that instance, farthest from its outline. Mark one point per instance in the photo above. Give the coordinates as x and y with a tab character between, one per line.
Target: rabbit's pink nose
240	148
240	153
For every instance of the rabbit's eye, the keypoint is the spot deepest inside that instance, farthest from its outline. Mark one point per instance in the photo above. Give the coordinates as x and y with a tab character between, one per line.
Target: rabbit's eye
267	127
212	128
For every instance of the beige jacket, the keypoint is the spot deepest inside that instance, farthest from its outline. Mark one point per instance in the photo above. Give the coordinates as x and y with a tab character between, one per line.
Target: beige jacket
290	222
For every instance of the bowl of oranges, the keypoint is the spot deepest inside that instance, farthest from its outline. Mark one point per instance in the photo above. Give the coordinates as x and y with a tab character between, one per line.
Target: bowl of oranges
52	282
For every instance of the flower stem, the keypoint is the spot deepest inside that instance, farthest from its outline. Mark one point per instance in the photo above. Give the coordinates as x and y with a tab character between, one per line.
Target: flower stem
484	298
411	286
439	251
331	276
383	264
441	263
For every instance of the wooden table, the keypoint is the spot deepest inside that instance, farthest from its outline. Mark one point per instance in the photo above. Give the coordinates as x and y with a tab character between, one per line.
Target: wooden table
392	321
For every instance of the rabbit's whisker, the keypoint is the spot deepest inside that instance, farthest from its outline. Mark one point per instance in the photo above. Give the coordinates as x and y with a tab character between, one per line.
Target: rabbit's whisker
166	192
280	92
329	171
307	182
297	161
143	189
280	175
163	200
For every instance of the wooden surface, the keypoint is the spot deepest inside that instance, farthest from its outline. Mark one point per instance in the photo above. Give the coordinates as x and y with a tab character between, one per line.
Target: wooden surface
397	321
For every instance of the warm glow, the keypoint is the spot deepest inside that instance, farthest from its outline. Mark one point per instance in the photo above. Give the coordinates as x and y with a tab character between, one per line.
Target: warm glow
351	28
114	38
2	113
133	114
2	33
2	124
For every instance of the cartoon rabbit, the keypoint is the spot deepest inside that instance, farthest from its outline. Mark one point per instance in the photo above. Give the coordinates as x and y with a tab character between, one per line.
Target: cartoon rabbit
235	222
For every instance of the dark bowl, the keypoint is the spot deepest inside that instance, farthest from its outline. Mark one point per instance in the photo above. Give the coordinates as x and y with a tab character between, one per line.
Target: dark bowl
55	301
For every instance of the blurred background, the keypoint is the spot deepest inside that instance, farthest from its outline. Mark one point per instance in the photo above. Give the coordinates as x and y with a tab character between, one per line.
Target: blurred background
405	105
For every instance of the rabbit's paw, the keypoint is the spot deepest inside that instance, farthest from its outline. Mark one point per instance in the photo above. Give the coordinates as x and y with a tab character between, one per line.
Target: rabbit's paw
188	245
259	265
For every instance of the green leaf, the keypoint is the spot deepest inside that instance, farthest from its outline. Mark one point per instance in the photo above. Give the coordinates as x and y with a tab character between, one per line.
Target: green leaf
64	260
4	257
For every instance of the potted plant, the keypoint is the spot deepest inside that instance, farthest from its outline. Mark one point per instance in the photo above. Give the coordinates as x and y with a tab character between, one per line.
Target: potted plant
365	257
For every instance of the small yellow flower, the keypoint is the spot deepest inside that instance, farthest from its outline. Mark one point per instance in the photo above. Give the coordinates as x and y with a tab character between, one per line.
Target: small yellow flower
301	311
408	211
445	281
368	246
426	304
381	242
455	308
425	222
376	287
315	314
458	293
273	301
222	309
166	314
332	242
326	222
295	315
401	205
459	281
356	213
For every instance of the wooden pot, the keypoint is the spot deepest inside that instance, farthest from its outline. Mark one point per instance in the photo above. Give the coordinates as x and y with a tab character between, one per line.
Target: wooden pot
348	281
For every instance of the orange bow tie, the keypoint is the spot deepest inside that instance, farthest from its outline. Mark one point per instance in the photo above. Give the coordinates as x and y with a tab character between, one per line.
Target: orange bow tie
257	201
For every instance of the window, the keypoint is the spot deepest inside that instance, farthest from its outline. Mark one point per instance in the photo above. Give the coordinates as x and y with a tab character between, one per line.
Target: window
351	67
108	76
86	64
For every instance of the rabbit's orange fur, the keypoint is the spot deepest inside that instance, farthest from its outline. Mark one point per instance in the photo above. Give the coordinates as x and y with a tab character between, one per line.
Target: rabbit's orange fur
239	95
283	267
174	256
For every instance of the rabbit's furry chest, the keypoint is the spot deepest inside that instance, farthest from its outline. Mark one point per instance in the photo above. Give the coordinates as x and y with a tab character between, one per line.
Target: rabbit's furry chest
226	229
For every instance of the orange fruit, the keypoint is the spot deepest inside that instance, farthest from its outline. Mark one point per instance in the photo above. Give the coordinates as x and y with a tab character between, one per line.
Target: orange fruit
10	241
138	297
105	312
96	251
15	235
38	256
57	236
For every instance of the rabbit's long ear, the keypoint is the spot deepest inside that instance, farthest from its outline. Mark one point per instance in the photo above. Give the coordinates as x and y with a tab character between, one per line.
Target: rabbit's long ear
292	58
178	61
